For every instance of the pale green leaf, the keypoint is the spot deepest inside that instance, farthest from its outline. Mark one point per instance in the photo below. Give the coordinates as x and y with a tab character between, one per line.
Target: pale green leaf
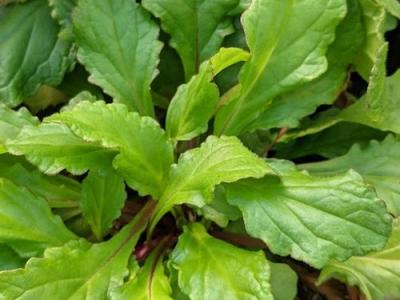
195	102
11	123
53	147
392	6
193	179
287	48
27	223
78	270
377	274
313	219
211	269
31	54
283	281
119	47
374	19
59	191
149	282
378	163
287	109
197	27
103	196
145	154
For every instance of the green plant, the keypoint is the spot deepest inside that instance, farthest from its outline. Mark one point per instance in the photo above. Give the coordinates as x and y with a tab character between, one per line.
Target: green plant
199	149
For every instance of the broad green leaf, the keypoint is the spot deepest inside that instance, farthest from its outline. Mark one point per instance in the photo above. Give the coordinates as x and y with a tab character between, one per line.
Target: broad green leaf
9	259
287	48
378	163
103	196
377	274
313	219
211	269
53	147
197	27
11	123
283	282
31	54
195	102
378	108
119	47
145	154
332	142
193	179
59	191
287	109
27	223
78	270
150	282
374	19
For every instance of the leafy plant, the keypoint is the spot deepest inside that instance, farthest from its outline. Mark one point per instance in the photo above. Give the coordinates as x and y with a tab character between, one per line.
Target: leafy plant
199	149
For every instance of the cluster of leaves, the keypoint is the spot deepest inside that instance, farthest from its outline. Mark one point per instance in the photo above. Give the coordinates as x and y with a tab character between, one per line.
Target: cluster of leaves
199	149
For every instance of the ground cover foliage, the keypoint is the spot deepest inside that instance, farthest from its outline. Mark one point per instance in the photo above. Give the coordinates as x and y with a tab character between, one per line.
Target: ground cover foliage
199	149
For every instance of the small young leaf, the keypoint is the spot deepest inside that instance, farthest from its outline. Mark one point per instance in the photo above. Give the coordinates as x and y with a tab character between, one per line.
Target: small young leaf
377	274
103	196
378	163
313	219
145	153
193	179
31	54
119	47
78	270
150	282
53	147
212	269
287	48
27	223
197	28
195	102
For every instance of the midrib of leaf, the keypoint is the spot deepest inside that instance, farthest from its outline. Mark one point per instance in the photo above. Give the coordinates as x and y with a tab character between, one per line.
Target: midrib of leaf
130	238
160	251
265	61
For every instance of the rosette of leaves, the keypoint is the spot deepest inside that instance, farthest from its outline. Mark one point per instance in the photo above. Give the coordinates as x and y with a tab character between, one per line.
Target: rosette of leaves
199	149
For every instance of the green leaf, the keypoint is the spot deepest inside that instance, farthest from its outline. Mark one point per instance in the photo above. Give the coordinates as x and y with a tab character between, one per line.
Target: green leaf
31	54
286	212
78	270
283	282
288	109
120	51
53	147
197	27
9	259
374	21
150	282
212	269
27	223
145	154
392	6
11	123
103	196
378	163
195	102
287	48
62	12
377	274
59	191
193	179
332	142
